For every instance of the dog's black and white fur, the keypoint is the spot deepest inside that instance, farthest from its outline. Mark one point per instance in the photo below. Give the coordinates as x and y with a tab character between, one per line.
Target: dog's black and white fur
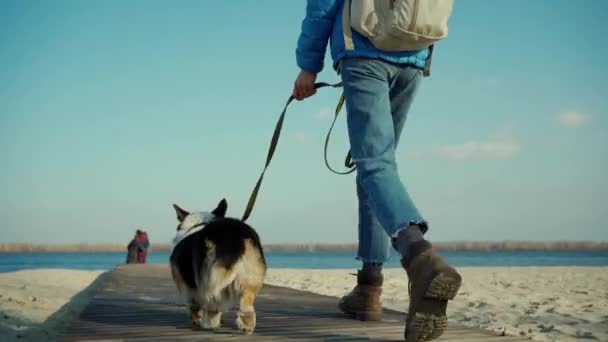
217	262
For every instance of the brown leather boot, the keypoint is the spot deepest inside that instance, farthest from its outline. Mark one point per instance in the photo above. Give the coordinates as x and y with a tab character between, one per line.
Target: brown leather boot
363	302
432	282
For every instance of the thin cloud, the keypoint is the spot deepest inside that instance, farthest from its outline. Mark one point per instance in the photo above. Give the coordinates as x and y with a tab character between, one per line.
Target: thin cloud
492	149
300	137
323	114
573	119
501	147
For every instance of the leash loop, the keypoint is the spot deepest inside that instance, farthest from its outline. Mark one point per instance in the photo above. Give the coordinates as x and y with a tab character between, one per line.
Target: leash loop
348	161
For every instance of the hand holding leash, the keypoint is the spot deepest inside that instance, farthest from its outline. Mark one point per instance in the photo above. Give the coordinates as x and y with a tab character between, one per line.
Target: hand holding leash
304	85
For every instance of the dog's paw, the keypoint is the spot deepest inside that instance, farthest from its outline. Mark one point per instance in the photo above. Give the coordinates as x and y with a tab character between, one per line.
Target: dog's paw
245	321
194	312
210	321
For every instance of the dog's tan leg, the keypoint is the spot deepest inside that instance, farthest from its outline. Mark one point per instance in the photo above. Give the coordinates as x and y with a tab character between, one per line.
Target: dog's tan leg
245	317
195	313
186	297
178	280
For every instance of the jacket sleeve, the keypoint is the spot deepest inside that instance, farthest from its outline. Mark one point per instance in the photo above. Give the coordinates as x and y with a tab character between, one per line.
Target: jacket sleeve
316	29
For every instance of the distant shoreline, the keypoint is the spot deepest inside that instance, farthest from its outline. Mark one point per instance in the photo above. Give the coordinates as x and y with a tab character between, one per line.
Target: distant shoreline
483	246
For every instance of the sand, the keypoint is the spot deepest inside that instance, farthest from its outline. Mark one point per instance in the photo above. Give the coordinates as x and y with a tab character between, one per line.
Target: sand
541	303
37	305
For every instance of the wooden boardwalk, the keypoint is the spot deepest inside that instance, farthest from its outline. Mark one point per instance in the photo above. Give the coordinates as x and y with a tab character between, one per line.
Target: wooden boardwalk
138	303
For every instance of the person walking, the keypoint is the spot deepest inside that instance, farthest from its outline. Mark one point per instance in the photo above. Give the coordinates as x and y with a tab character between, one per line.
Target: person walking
379	88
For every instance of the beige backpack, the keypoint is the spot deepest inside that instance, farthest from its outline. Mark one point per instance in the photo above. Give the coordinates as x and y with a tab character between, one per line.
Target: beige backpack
397	25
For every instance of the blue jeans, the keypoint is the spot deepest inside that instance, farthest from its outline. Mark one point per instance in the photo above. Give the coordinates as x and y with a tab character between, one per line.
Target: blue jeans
378	97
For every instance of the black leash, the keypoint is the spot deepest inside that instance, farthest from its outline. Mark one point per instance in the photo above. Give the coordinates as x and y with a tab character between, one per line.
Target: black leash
275	139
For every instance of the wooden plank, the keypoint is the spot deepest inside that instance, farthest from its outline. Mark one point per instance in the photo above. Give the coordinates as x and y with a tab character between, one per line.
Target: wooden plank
139	303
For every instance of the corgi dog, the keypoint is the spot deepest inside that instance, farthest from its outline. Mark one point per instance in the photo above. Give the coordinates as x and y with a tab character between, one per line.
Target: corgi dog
216	262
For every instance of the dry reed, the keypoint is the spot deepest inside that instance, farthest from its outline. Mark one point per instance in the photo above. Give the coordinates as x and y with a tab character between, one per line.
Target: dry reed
488	246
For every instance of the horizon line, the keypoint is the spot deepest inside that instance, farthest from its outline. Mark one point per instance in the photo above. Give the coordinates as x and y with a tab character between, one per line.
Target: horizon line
461	245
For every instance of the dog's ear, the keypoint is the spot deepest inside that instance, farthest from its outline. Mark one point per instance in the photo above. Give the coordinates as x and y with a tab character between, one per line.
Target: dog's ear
221	209
181	213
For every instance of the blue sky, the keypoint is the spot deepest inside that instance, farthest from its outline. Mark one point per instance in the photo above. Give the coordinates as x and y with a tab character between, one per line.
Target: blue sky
111	111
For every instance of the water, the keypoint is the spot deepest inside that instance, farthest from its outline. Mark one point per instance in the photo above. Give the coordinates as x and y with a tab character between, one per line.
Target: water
10	262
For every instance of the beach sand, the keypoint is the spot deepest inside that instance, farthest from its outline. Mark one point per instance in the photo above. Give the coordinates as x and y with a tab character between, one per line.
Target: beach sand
36	305
541	303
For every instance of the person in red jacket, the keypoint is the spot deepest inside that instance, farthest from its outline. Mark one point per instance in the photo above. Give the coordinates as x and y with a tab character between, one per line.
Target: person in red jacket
142	246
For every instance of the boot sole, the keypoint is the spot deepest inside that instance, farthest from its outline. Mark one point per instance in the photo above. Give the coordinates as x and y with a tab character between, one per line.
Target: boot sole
433	322
362	315
444	286
368	315
425	327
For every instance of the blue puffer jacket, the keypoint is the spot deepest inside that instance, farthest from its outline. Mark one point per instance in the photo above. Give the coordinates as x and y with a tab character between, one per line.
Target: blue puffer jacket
324	20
